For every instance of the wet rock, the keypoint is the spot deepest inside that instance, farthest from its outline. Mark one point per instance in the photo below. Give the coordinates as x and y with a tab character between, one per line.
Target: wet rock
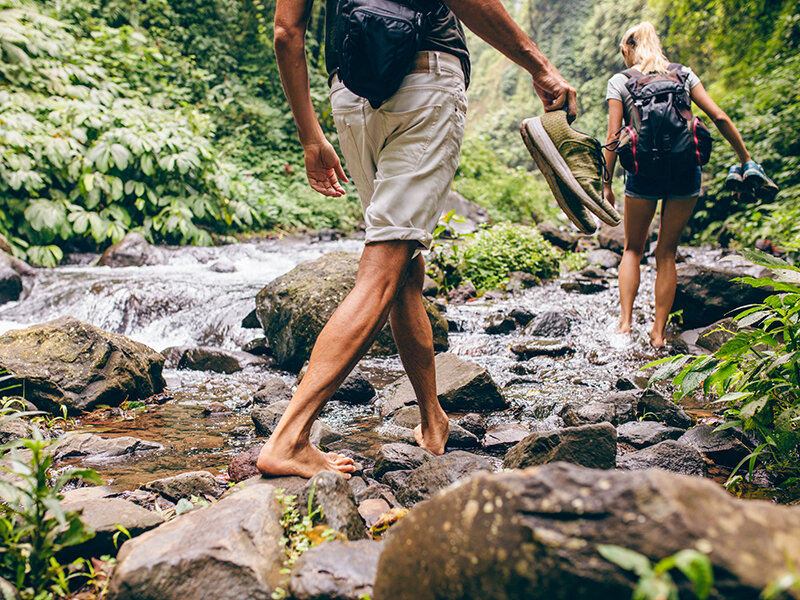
15	429
397	456
396	480
265	418
68	362
462	294
708	294
257	347
204	358
295	307
541	347
715	335
549	324
132	251
103	515
10	282
186	485
521	315
458	437
646	433
377	491
355	389
217	409
227	551
273	390
669	455
241	431
327	234
654	406
616	409
534	536
172	356
624	384
223	265
584	286
333	495
438	473
92	448
474	423
460	385
500	324
502	436
593	272
251	320
336	570
722	447
243	465
593	446
520	280
429	287
372	509
604	258
612	238
565	240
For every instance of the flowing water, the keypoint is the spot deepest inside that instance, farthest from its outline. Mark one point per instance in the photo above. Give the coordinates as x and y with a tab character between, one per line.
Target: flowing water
187	302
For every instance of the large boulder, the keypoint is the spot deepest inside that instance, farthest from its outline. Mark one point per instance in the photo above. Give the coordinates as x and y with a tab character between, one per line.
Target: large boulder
336	570
66	361
588	445
533	535
438	473
462	386
227	551
10	281
295	307
707	294
131	251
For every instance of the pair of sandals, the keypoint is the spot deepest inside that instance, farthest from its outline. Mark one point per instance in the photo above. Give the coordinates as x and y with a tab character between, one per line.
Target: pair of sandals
750	178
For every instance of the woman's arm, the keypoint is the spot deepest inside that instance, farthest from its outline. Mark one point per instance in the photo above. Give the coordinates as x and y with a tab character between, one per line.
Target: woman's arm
614	125
721	120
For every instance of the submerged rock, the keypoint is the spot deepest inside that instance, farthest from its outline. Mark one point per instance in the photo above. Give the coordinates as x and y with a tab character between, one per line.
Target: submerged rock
461	386
593	446
66	361
533	535
131	251
541	347
295	307
92	448
336	570
500	324
669	455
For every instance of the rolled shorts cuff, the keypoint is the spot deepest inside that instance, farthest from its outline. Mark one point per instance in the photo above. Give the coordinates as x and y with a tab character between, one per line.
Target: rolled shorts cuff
389	234
631	194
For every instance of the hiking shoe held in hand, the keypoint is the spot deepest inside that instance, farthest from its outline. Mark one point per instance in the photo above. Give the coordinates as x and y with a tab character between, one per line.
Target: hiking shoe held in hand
576	160
734	179
755	177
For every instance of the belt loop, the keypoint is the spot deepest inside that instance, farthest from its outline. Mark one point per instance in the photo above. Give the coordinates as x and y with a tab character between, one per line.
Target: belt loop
438	66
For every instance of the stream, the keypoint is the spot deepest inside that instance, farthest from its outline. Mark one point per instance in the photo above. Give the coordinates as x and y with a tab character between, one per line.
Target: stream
186	302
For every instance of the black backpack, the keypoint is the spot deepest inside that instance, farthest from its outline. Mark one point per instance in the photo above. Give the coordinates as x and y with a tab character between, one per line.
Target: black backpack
663	136
376	41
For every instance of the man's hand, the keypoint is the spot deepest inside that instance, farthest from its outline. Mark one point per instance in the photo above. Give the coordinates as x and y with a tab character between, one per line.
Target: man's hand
324	169
556	93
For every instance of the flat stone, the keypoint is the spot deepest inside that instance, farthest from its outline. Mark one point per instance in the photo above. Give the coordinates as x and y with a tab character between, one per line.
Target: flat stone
669	455
646	433
398	456
186	485
502	436
372	509
94	449
593	446
604	258
549	324
722	447
541	347
584	286
336	570
217	360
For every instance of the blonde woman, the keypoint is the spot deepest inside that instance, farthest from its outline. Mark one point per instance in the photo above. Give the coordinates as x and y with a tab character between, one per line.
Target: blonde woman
677	185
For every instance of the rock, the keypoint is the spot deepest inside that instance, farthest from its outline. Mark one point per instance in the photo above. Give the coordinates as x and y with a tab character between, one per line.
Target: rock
397	456
204	358
461	386
474	423
15	429
241	431
500	324
273	390
654	406
355	389
103	515
646	433
265	418
377	491
172	356
462	294
372	509
217	409
438	473
520	280
593	272
458	437
227	551
223	265
624	384
549	324
593	446
612	238
715	335
584	286
9	592
336	570
533	535
92	448
669	455
541	347
186	485
565	240
10	281
258	347
396	480
295	307
473	213
616	409
722	447
332	493
429	287
502	436
131	251
521	315
708	294
251	321
604	258
68	362
243	465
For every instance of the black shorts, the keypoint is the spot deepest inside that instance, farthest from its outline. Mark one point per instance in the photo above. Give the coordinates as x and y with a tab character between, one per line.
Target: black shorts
677	186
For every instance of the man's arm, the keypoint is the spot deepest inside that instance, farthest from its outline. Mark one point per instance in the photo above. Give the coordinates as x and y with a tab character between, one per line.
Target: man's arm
490	21
323	167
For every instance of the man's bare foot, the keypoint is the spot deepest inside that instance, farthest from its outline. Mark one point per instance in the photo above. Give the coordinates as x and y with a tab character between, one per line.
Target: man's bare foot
305	461
434	437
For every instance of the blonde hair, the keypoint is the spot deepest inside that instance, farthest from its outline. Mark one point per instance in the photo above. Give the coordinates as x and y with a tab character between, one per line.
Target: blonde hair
642	41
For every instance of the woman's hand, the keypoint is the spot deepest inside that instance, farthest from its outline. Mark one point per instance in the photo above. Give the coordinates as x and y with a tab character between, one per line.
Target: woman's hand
608	192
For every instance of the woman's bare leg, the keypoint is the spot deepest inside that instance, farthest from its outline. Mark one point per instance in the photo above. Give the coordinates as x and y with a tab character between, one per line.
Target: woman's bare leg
638	216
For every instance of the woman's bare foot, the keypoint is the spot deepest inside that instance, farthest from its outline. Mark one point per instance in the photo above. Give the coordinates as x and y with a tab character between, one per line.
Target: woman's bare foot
434	437
657	340
304	461
624	326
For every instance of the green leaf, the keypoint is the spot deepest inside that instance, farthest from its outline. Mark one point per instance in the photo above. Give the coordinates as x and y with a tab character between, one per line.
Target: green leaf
697	569
625	558
88	181
121	156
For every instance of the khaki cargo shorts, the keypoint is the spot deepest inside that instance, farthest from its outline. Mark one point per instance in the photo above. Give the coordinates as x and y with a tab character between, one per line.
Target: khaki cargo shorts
403	155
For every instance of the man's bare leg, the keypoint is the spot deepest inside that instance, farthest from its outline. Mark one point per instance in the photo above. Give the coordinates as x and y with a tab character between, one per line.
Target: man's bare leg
343	341
412	333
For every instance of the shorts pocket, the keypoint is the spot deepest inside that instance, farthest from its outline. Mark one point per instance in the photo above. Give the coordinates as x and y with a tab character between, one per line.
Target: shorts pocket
408	135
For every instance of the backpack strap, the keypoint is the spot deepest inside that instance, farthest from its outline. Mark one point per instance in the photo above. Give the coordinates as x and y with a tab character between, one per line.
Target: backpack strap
630	111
